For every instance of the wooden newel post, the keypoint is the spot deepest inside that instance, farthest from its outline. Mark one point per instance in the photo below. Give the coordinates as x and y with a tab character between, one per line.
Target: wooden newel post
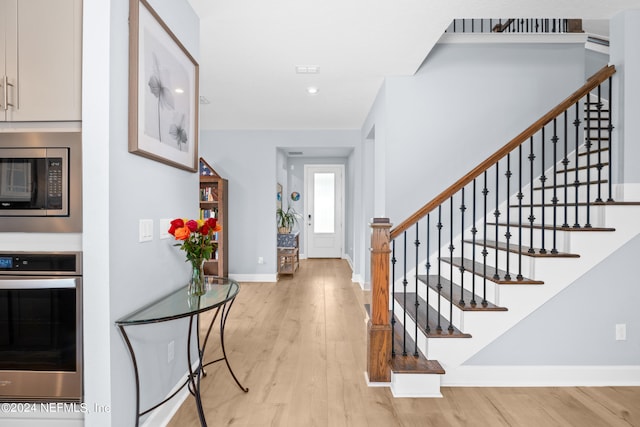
379	328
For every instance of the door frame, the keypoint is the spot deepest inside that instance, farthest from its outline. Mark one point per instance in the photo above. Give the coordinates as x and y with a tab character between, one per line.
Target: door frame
341	213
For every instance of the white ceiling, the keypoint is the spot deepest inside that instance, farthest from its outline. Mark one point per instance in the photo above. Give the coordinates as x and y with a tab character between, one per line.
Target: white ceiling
249	50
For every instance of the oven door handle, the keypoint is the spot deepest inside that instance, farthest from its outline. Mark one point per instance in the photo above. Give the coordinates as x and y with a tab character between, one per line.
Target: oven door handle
61	283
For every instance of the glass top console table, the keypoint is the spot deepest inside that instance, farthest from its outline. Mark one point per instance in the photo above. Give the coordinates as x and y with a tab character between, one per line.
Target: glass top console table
220	295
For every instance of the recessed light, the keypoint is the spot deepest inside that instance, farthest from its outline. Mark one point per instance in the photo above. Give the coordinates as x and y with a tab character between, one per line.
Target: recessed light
179	90
312	90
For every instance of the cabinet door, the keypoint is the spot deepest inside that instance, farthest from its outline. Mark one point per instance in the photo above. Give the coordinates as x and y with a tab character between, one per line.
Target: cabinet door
8	52
49	55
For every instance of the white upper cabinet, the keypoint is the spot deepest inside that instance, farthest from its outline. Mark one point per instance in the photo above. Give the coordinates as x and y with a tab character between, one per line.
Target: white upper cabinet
40	60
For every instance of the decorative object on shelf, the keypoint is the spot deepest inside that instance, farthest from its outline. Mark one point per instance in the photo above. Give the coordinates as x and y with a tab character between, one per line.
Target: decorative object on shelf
198	244
295	196
286	219
163	91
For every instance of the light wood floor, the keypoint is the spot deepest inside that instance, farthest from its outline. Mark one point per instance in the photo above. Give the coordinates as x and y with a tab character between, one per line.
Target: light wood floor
299	345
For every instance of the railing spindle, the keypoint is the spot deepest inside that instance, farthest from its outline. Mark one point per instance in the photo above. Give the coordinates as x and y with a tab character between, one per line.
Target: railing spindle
474	231
451	249
404	296
520	196
588	180
531	218
496	213
576	182
543	180
393	293
507	235
427	328
485	192
463	208
565	162
610	131
439	327
599	105
554	139
417	303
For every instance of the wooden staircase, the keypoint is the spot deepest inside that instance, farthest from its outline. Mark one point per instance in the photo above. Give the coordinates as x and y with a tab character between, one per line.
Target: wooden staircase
512	239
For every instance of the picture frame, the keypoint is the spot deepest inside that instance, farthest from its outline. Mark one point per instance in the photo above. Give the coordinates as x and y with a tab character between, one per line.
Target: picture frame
163	91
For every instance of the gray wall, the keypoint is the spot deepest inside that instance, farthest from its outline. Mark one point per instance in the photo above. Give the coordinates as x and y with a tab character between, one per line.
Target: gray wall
556	335
120	188
249	160
605	294
465	102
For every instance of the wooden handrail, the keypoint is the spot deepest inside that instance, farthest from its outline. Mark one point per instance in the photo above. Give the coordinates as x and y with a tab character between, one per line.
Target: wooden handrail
591	84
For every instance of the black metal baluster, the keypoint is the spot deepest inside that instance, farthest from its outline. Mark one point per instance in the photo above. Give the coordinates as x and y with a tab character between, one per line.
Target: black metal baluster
496	214
531	218
520	196
463	208
554	200
474	231
588	180
417	304
485	192
543	180
576	182
439	327
428	266
404	297
454	25
599	105
473	25
463	26
451	249
610	130
565	162
507	235
393	294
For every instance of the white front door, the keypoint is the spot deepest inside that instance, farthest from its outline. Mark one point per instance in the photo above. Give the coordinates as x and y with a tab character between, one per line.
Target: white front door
324	210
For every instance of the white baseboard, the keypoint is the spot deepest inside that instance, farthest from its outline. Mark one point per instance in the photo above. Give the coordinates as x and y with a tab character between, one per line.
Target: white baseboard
254	277
541	376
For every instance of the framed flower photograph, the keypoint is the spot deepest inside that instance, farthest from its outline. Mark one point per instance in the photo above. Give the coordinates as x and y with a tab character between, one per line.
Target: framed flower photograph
163	91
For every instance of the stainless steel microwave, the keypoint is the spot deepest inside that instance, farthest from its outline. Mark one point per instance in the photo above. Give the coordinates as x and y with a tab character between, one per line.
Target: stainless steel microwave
40	181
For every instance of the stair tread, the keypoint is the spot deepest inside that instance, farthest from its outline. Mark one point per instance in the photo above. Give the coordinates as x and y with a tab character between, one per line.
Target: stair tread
558	228
591	166
571	184
550	205
490	272
410	364
586	153
434	317
445	292
525	250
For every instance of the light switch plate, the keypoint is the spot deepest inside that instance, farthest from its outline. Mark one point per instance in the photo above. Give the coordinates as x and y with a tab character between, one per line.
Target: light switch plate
165	223
146	230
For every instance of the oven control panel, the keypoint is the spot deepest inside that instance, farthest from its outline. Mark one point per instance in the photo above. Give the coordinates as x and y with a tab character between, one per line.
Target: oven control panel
31	263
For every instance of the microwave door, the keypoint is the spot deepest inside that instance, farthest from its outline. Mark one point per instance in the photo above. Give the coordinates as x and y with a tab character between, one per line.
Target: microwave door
17	186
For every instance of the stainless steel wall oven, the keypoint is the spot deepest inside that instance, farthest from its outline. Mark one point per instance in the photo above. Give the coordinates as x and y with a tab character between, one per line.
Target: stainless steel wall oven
40	326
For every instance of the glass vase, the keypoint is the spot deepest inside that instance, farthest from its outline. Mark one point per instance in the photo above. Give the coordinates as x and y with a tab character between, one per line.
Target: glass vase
197	283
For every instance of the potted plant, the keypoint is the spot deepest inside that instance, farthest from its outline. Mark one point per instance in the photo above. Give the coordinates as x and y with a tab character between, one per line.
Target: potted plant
286	219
